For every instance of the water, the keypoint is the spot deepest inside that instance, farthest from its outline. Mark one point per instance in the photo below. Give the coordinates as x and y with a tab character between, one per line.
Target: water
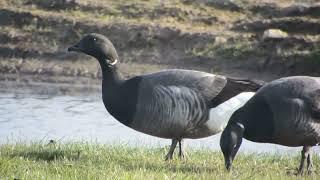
25	117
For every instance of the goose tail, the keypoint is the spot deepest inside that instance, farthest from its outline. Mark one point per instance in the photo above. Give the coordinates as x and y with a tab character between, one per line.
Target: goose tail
245	85
235	86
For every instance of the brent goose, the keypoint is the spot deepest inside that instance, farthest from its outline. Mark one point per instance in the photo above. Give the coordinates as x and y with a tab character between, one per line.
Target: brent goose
285	111
173	104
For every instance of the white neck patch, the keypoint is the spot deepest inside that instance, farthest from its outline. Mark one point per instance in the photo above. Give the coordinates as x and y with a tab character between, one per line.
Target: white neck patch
240	125
114	62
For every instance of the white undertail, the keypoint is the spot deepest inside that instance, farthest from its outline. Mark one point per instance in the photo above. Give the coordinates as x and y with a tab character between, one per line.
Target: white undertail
219	116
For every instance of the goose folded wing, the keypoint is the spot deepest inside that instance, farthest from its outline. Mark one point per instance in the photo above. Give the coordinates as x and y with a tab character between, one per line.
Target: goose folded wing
176	103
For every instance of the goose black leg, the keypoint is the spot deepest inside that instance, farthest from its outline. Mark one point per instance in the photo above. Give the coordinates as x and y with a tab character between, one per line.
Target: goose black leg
304	154
181	153
309	163
171	150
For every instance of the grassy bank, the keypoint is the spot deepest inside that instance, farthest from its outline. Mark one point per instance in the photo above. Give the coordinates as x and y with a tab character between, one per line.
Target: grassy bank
93	161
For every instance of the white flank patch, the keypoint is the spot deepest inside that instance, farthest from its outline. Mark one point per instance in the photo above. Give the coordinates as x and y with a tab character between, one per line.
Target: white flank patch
219	116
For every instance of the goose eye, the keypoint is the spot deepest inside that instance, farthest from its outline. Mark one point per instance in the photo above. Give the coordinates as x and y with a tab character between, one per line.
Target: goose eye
94	39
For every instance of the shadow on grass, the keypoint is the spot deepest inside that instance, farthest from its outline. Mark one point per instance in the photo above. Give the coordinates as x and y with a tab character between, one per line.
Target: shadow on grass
47	155
126	164
55	153
183	167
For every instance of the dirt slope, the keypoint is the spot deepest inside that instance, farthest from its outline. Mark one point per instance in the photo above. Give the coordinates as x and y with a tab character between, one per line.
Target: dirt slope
216	36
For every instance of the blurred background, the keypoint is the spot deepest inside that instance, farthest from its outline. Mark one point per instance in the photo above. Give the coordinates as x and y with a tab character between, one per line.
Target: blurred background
46	92
217	36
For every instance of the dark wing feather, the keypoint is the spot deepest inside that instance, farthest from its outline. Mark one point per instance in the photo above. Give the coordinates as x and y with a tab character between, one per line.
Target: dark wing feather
206	84
175	100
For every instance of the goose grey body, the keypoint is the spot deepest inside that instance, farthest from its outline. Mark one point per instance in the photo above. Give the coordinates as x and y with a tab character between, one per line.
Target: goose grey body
172	104
176	103
285	111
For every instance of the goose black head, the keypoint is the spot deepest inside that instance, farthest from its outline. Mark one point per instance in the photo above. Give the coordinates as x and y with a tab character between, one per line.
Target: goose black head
231	139
98	46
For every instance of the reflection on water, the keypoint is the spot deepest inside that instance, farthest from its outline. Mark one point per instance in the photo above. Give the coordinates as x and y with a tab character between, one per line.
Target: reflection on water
66	118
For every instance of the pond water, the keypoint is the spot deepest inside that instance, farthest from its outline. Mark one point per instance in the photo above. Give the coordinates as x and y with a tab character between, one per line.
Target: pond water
25	117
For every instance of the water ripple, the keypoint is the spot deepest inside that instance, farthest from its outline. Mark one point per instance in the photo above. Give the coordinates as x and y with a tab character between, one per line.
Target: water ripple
28	118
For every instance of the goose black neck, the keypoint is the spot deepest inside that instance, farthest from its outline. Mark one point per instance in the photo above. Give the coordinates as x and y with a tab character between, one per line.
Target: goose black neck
110	73
114	94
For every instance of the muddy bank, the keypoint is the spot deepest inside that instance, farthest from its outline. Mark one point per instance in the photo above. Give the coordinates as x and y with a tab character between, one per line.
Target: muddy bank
218	38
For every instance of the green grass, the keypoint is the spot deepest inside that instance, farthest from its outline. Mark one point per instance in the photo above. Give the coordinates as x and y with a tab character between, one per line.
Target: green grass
173	14
95	161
